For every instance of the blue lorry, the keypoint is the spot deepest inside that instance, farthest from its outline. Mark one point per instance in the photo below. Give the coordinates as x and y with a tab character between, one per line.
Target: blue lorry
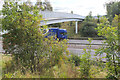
56	33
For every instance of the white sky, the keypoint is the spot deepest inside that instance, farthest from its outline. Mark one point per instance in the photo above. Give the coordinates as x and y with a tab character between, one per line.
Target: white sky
81	7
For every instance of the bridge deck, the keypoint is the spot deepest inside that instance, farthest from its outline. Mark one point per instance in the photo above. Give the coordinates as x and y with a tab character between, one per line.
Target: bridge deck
58	15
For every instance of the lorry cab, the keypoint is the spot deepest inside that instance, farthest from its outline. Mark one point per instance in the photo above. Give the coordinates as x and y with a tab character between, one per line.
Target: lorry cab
57	33
62	34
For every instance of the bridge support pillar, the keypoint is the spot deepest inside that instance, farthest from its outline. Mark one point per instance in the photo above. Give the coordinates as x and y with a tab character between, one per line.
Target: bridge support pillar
76	27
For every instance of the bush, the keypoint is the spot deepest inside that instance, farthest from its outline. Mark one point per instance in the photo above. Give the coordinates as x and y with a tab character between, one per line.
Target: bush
25	40
75	59
70	27
112	49
87	29
85	62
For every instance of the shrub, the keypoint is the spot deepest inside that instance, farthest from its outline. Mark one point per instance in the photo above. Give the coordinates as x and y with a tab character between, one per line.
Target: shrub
85	62
112	49
25	39
75	59
87	29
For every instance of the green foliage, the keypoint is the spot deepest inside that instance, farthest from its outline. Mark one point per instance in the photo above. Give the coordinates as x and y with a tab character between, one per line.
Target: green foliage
75	59
26	42
112	9
23	39
89	17
85	62
66	70
70	27
87	28
8	75
0	22
111	50
63	71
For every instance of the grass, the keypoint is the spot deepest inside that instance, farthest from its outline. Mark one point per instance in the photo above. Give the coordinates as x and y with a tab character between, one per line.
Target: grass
3	59
97	72
65	71
0	66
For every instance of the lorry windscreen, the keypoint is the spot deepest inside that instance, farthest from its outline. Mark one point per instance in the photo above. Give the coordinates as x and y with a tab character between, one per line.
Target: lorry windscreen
63	33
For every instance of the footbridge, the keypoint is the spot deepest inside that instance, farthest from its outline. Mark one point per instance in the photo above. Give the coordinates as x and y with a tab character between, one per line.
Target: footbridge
51	17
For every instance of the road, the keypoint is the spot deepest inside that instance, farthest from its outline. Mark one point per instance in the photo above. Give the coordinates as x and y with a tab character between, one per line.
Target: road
83	42
76	47
79	52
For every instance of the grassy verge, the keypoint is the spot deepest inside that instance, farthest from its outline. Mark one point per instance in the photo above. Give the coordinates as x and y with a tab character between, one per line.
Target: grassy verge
64	71
3	59
0	66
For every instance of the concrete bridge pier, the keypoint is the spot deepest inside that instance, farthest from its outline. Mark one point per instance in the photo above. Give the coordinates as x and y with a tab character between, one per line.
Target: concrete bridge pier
76	27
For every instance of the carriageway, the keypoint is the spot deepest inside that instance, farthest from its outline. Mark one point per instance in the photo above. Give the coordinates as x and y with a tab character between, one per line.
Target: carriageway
51	17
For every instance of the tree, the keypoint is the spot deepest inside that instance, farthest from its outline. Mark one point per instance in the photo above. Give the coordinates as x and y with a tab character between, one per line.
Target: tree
112	9
25	39
44	5
71	12
47	5
39	5
112	48
0	24
87	28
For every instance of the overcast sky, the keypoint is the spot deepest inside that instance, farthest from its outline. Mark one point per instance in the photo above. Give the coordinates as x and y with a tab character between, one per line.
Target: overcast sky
81	7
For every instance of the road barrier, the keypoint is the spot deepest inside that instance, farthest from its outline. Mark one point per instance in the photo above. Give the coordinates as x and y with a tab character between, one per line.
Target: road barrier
86	38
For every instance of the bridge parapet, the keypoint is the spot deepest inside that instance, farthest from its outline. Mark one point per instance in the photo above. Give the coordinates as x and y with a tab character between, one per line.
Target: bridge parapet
59	15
